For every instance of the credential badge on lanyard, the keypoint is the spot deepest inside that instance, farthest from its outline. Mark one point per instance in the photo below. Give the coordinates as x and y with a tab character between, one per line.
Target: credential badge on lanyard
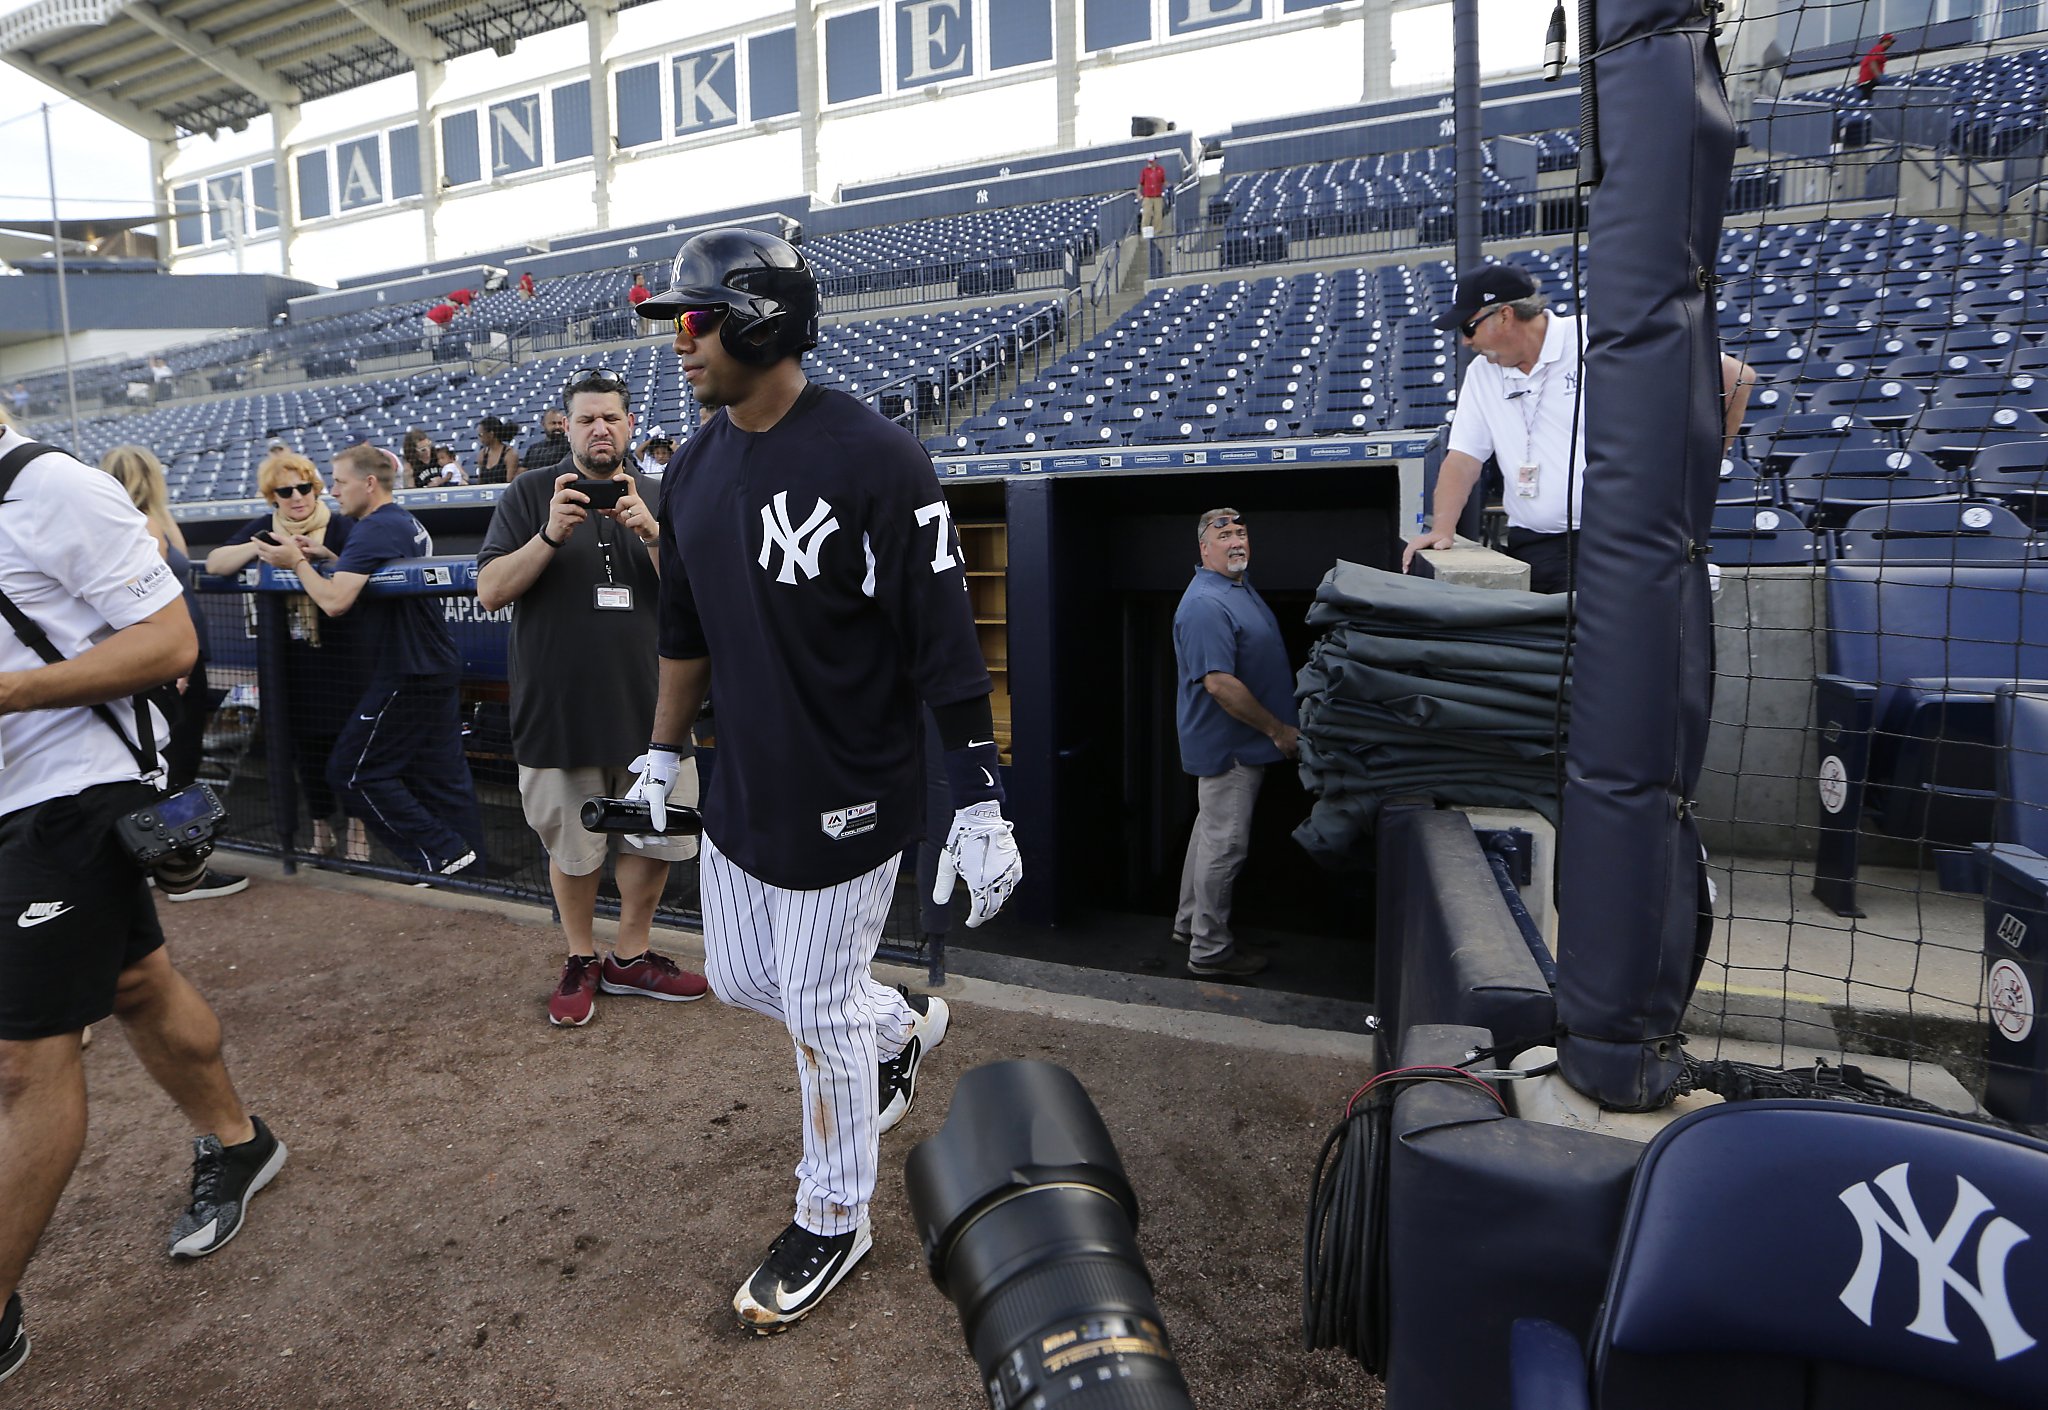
1529	474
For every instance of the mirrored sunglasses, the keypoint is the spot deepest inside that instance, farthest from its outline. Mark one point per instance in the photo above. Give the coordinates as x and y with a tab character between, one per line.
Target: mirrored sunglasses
694	323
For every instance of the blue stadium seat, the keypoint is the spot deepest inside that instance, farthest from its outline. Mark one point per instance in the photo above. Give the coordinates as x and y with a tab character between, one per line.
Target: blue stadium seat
1922	531
1914	654
1761	536
1756	1267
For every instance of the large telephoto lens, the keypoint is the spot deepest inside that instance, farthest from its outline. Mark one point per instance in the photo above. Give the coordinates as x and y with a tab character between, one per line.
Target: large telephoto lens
1031	1227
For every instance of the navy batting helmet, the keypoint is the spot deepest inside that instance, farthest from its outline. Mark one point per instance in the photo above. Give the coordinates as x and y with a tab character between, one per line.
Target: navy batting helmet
768	293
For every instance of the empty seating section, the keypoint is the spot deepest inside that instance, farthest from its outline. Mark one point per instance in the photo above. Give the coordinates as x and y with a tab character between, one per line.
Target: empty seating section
1899	362
1996	109
1000	244
1350	353
1360	195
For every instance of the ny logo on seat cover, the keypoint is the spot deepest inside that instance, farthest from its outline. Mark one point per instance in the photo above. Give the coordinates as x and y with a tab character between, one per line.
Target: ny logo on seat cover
800	545
1933	1257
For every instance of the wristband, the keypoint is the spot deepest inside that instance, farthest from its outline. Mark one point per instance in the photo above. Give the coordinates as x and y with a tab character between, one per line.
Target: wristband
974	775
667	748
542	534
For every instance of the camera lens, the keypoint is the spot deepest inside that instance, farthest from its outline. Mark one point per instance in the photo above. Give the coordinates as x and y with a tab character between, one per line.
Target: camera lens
1030	1226
178	872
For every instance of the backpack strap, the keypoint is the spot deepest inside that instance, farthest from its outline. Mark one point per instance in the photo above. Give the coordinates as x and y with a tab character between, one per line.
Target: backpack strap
38	640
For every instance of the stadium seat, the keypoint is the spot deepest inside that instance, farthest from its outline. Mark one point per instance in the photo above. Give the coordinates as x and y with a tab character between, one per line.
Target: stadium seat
1770	1257
2015	473
1934	532
1954	436
1882	402
1761	536
1914	654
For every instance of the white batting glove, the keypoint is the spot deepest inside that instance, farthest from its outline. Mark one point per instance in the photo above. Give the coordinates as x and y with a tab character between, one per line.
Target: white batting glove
980	851
657	769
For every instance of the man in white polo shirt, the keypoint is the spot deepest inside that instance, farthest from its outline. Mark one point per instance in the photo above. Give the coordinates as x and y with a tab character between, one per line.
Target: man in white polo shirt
1517	403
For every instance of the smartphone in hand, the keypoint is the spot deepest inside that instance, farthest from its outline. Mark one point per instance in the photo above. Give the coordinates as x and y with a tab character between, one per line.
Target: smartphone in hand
604	494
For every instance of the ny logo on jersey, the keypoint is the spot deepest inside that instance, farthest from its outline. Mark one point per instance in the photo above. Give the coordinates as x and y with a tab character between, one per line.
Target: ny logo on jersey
1934	1256
800	545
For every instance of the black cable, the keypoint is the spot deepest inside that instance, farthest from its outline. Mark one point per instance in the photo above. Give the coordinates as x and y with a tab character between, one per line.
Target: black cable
1345	1264
1344	1259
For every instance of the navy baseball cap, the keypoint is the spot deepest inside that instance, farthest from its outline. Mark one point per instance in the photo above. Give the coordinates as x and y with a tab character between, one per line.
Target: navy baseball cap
1484	287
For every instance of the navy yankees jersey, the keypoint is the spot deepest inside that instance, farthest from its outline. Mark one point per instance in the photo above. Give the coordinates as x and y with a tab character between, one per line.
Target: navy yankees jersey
816	564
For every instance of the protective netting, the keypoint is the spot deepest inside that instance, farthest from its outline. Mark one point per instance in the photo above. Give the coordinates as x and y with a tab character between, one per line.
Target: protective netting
1872	794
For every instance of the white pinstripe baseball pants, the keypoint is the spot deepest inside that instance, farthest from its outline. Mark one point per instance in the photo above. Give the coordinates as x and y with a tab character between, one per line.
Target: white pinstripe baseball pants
802	957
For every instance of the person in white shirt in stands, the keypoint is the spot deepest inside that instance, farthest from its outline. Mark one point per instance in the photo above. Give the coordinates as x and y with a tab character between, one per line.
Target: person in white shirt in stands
654	454
1517	403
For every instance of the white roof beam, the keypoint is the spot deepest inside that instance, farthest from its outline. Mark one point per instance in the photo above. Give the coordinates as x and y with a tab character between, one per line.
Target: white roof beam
407	35
136	120
221	59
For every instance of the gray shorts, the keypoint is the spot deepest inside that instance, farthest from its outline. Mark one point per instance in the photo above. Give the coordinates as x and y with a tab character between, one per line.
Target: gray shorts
553	800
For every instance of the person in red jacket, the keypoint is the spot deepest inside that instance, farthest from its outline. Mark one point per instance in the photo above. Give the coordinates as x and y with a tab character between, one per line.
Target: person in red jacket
526	285
462	297
441	313
637	293
1872	68
1152	191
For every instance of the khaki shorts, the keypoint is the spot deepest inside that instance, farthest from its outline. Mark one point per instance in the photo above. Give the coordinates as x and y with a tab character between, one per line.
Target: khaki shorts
554	798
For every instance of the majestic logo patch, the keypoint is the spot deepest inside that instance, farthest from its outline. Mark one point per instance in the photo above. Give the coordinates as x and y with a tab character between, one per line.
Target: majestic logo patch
1933	1256
800	544
842	823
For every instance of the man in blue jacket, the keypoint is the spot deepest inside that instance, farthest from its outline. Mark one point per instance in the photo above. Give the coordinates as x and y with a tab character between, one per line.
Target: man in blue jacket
398	761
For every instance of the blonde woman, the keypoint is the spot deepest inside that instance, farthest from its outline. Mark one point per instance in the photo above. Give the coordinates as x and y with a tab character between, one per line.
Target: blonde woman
320	670
142	475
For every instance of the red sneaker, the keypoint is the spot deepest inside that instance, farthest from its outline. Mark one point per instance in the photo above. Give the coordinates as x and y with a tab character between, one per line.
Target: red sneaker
576	996
653	976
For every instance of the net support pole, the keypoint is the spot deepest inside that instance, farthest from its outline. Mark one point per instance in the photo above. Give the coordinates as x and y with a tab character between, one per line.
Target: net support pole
1469	181
1631	872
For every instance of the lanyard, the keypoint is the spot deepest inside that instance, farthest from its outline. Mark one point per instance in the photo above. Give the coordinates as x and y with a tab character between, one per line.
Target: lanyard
1530	398
604	546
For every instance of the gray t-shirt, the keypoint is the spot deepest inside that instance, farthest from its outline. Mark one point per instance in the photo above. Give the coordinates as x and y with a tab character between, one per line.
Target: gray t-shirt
583	678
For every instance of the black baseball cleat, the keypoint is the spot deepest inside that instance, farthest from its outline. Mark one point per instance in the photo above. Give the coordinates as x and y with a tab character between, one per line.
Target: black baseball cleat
224	1179
801	1267
13	1338
898	1077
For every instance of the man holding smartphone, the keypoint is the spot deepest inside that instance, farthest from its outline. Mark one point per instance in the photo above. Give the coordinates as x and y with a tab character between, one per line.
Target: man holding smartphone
574	555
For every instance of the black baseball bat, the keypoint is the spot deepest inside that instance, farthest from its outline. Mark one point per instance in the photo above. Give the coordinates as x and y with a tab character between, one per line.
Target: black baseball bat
636	815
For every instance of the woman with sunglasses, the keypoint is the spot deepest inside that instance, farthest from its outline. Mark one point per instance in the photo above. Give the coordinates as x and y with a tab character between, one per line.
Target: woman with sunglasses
320	672
417	451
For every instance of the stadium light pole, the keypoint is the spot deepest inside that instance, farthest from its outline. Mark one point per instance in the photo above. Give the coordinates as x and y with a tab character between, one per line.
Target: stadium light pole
63	298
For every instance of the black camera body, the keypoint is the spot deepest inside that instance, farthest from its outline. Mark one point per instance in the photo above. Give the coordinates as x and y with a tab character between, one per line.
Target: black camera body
603	494
172	837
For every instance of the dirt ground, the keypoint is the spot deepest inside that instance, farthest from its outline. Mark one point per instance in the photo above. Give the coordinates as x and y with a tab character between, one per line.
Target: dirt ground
485	1213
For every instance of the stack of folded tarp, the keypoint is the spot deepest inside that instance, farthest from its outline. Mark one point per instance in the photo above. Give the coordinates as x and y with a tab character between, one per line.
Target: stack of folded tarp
1425	689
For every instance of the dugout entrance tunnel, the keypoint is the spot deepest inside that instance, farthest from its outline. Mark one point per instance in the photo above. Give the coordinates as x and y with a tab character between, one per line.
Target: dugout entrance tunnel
1097	564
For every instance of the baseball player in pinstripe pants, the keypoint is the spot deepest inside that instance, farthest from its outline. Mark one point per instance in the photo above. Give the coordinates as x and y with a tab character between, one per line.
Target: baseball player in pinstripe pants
807	551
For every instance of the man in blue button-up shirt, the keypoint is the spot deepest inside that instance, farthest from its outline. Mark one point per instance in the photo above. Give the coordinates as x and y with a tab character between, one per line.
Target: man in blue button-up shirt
1236	716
